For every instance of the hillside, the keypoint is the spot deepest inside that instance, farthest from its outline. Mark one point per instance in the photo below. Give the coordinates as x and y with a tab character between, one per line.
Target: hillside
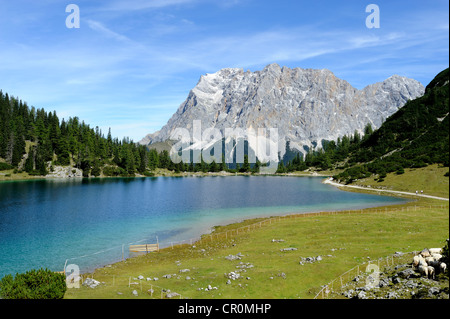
415	136
34	142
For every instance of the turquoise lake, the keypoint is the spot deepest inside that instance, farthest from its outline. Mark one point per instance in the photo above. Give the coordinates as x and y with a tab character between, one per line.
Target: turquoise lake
46	223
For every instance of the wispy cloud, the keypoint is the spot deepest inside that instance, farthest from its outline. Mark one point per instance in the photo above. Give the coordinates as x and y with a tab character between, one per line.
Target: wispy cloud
99	27
142	57
121	5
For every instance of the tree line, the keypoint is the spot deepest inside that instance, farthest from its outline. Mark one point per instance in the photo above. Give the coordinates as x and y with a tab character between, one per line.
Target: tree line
34	140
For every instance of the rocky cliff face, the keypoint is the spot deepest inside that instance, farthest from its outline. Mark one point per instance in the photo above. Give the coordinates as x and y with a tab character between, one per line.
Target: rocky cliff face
305	105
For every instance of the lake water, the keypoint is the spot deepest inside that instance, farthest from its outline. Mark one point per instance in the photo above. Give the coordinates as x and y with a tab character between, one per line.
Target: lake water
44	223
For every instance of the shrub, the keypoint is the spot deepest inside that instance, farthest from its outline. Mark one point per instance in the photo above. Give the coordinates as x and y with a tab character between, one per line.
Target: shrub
34	284
5	166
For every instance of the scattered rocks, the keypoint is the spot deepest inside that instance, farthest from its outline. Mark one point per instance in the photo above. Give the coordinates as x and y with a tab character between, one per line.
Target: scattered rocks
242	265
310	260
234	257
233	275
288	249
64	172
282	275
172	295
395	282
91	283
405	274
209	288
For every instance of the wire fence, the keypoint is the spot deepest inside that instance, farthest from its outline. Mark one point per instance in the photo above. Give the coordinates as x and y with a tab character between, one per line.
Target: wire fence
121	252
126	286
364	268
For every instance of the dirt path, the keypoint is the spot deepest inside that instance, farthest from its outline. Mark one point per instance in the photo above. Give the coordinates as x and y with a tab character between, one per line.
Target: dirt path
328	181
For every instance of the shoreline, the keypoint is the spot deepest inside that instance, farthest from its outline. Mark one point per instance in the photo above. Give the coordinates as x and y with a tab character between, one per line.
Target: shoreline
216	229
212	229
338	185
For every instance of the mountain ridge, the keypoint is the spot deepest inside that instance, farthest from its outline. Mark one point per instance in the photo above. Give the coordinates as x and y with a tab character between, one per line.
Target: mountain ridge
307	106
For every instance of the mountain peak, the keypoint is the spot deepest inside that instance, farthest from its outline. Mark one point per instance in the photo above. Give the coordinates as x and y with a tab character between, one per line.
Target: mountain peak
307	106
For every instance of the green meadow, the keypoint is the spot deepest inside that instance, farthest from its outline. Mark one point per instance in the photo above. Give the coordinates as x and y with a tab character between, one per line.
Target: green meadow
266	270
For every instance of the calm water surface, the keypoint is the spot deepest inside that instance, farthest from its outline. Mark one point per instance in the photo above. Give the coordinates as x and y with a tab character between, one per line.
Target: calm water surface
43	223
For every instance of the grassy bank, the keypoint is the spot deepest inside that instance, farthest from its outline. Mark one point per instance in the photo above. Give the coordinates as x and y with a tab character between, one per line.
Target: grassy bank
350	238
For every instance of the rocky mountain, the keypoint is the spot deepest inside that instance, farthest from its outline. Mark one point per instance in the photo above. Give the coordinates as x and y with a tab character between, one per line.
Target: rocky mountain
307	106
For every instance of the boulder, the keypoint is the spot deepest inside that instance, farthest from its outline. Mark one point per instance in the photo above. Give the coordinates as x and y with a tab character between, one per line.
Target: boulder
172	295
288	249
405	274
91	283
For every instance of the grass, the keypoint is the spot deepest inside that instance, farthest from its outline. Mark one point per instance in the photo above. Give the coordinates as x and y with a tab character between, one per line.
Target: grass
355	236
350	238
430	179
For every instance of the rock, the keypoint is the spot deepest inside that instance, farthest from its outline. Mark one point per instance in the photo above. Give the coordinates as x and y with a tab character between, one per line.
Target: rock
167	276
155	278
91	283
319	258
301	103
184	270
411	284
282	275
391	295
396	280
172	295
232	257
228	282
405	274
277	240
140	277
64	172
233	275
349	293
433	291
135	293
288	249
383	282
188	278
361	295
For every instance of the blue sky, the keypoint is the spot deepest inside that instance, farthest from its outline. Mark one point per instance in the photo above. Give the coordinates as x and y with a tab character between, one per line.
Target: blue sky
132	63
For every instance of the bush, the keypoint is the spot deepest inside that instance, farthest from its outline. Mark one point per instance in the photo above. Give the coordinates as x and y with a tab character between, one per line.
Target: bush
5	166
34	284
